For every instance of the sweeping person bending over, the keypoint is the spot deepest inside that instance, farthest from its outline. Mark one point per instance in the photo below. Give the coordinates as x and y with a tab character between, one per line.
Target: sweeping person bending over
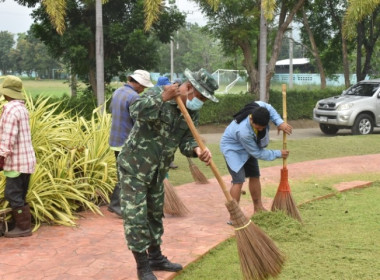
144	160
243	143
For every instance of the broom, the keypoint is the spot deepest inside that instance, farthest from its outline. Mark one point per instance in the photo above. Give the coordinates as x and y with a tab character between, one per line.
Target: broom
198	176
284	199
259	256
172	203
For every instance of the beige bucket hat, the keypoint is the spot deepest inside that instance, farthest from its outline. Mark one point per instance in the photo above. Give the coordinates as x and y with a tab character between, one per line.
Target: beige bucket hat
142	77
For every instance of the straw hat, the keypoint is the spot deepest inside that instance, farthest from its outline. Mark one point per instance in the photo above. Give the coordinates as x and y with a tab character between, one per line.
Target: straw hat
12	87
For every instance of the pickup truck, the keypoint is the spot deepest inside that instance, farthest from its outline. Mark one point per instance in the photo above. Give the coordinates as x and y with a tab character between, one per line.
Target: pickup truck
357	108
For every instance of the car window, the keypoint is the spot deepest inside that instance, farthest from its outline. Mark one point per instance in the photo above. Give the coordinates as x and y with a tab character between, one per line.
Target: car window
362	89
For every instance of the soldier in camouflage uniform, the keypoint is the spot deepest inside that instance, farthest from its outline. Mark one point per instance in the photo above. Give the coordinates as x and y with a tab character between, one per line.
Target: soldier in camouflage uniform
144	160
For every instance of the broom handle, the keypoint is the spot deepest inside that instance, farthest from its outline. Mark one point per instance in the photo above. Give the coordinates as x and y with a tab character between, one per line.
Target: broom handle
201	145
285	117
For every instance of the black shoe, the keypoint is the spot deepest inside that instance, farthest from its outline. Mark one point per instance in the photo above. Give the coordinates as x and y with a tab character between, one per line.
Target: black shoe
144	271
162	263
116	210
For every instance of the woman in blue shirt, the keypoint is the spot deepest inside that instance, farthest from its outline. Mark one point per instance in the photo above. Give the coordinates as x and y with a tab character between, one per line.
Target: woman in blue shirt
244	141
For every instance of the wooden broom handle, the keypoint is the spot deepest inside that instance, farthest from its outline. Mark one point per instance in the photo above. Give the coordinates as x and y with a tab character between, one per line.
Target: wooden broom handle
201	145
285	117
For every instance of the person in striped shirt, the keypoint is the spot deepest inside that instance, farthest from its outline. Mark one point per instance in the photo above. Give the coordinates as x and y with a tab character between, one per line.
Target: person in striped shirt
17	153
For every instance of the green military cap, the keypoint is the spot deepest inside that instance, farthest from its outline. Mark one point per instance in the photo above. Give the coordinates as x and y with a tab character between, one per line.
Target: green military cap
203	82
12	87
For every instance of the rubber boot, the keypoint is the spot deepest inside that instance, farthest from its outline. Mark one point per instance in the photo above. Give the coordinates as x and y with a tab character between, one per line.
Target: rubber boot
144	272
114	205
23	222
157	261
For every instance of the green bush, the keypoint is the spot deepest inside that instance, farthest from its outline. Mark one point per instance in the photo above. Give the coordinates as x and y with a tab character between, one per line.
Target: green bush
300	104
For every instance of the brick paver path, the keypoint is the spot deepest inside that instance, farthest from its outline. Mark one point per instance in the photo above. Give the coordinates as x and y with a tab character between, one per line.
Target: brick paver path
96	248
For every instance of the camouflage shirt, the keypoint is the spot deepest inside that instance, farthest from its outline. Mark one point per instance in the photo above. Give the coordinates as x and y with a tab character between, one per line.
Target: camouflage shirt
159	130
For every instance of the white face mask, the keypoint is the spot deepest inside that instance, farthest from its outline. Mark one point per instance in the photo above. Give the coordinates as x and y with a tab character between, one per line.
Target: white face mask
194	104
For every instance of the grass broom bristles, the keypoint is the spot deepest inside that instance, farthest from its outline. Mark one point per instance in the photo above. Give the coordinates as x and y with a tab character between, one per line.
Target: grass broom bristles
284	200
198	176
173	205
260	258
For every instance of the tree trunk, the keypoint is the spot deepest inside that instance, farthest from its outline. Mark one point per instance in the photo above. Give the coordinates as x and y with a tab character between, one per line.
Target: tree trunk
249	65
99	54
359	44
263	56
73	84
315	50
346	65
283	25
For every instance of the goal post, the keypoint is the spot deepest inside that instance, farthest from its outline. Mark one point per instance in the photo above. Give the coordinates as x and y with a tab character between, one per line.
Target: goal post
231	81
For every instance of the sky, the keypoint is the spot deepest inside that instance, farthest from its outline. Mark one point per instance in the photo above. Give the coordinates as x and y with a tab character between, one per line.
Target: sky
16	18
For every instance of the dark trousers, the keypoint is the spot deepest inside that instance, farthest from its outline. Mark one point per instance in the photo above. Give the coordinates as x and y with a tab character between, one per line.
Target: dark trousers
16	190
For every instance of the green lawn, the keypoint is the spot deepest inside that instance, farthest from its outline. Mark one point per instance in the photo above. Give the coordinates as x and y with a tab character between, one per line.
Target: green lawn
339	240
339	237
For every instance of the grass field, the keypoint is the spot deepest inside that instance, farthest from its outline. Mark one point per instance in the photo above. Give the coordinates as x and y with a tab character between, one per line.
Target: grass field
338	238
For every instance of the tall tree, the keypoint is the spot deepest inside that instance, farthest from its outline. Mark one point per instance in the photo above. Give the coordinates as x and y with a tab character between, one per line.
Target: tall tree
193	49
6	44
314	50
122	50
236	23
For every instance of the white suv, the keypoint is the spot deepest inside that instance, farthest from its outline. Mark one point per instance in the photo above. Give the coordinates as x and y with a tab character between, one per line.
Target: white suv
357	108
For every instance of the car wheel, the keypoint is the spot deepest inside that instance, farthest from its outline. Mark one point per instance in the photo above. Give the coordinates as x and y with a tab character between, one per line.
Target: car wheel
363	125
328	129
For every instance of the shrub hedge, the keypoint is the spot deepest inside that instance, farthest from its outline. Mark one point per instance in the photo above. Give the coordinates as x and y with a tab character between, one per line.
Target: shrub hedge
300	104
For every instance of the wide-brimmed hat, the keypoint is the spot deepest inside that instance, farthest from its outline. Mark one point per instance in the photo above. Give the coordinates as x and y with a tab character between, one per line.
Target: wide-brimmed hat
142	77
203	82
12	87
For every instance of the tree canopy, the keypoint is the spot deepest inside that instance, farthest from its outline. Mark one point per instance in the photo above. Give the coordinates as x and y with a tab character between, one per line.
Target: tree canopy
126	45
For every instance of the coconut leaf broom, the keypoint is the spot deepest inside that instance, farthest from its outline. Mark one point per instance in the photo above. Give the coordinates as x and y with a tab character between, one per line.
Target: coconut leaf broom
198	176
173	205
259	256
284	200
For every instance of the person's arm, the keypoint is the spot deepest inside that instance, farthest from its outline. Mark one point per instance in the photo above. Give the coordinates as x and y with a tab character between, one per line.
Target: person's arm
254	150
9	132
276	118
148	106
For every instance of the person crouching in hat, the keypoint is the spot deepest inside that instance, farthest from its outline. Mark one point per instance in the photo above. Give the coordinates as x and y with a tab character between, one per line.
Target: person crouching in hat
17	153
122	122
144	161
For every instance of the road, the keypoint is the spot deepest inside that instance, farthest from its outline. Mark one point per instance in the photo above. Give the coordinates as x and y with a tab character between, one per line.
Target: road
298	133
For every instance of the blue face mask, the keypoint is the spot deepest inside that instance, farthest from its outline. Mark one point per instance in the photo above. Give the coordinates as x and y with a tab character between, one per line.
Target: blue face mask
194	104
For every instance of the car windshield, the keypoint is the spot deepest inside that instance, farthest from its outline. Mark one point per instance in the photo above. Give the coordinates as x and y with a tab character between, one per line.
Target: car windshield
364	89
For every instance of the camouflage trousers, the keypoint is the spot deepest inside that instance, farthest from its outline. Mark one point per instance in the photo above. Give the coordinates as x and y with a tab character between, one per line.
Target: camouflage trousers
142	210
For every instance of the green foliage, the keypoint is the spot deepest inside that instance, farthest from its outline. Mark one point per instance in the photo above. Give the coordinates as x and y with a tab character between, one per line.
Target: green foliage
338	233
6	43
193	49
300	103
126	44
75	168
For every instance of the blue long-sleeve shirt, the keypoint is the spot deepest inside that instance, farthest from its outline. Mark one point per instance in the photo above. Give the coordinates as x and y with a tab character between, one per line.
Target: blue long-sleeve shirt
239	141
122	122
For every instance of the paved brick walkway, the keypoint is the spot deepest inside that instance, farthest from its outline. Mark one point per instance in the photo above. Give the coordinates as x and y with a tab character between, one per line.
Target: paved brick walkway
96	249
